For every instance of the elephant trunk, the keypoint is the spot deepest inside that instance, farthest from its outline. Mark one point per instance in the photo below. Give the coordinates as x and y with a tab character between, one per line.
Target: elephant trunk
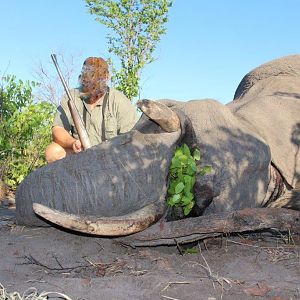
115	188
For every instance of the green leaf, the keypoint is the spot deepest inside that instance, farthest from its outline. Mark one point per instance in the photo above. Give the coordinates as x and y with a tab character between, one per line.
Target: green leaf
178	152
185	200
187	209
193	180
175	199
205	170
180	174
179	187
171	190
190	196
197	155
190	170
187	179
176	163
186	150
192	164
174	183
183	159
187	183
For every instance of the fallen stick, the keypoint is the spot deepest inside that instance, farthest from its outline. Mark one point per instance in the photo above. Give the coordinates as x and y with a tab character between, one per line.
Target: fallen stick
195	229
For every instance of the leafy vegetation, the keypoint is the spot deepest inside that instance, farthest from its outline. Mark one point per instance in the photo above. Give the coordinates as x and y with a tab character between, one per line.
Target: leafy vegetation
182	177
137	26
25	130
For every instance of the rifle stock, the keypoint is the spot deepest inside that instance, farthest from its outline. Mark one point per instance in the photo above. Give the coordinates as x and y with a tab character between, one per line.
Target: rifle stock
78	122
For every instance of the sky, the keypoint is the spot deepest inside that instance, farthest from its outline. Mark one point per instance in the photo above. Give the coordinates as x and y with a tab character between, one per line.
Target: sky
209	46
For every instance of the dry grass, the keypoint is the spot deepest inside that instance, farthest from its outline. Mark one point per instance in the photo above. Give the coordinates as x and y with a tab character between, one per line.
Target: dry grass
30	294
284	247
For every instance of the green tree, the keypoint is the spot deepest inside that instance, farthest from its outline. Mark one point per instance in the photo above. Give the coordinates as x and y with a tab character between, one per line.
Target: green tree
25	130
137	26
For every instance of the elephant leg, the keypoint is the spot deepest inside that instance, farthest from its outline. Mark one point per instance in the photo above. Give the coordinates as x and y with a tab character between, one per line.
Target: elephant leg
280	193
290	199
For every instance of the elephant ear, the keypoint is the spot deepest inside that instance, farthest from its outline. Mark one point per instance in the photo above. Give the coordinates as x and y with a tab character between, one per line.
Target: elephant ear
268	100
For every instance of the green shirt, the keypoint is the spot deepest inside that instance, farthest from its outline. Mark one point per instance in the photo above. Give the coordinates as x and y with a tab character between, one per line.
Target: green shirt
119	116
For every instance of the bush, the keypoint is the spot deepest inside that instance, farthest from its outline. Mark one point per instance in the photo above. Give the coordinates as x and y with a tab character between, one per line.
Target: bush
182	178
25	130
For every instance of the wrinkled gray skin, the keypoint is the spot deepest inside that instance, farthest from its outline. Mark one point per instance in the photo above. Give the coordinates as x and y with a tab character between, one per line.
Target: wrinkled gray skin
245	142
111	179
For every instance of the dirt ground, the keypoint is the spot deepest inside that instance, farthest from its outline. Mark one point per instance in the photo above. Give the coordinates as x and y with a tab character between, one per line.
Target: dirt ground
252	266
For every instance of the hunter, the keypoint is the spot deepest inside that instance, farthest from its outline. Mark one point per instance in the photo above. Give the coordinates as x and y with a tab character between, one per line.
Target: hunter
106	112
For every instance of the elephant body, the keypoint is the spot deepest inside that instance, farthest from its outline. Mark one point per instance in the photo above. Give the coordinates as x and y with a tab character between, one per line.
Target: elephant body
252	144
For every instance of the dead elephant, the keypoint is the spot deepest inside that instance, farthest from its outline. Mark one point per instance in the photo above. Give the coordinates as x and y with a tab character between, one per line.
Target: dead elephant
119	187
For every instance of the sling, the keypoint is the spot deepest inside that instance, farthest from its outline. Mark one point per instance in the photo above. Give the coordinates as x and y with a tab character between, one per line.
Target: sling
103	114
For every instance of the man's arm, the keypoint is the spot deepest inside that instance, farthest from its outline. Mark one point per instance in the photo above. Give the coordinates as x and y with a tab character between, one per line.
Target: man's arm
62	137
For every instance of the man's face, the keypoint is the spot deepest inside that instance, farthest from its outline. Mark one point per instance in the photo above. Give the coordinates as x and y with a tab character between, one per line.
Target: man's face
93	81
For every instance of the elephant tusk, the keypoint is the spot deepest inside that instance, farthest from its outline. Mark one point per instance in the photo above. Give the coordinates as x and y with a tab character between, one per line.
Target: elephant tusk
164	116
104	226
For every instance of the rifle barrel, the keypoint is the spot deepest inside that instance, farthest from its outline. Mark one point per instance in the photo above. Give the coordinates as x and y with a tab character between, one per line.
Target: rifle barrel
78	122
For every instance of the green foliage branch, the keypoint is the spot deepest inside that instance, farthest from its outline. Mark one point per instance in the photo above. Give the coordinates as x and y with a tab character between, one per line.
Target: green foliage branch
182	178
25	130
136	26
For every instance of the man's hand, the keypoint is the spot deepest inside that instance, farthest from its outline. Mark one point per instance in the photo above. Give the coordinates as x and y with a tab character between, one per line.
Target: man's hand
65	140
77	147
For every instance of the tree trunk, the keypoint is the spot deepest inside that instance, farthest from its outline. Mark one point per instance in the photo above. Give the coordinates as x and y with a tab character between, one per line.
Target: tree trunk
3	190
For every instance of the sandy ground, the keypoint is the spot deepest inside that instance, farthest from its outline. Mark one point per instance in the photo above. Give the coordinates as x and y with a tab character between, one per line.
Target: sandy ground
253	266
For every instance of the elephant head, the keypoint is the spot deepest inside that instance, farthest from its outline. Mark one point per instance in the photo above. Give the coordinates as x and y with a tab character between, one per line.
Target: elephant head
115	188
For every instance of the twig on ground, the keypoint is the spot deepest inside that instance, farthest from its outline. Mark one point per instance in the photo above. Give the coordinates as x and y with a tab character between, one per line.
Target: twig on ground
256	246
280	254
90	262
276	253
167	297
56	259
243	244
287	239
35	280
138	272
31	260
178	247
108	268
168	285
174	282
101	247
215	277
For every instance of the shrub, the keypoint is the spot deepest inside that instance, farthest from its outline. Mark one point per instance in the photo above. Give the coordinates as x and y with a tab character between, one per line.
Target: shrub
182	176
25	130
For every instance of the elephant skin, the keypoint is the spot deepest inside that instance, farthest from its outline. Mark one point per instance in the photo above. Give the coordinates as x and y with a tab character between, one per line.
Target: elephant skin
252	144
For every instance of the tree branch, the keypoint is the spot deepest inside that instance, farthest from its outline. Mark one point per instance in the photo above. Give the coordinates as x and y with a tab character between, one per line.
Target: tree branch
194	229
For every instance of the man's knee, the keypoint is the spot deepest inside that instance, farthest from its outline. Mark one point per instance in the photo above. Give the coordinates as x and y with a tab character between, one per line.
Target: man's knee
54	152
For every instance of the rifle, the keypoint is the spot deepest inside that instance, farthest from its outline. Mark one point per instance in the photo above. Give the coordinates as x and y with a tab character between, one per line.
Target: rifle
78	122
